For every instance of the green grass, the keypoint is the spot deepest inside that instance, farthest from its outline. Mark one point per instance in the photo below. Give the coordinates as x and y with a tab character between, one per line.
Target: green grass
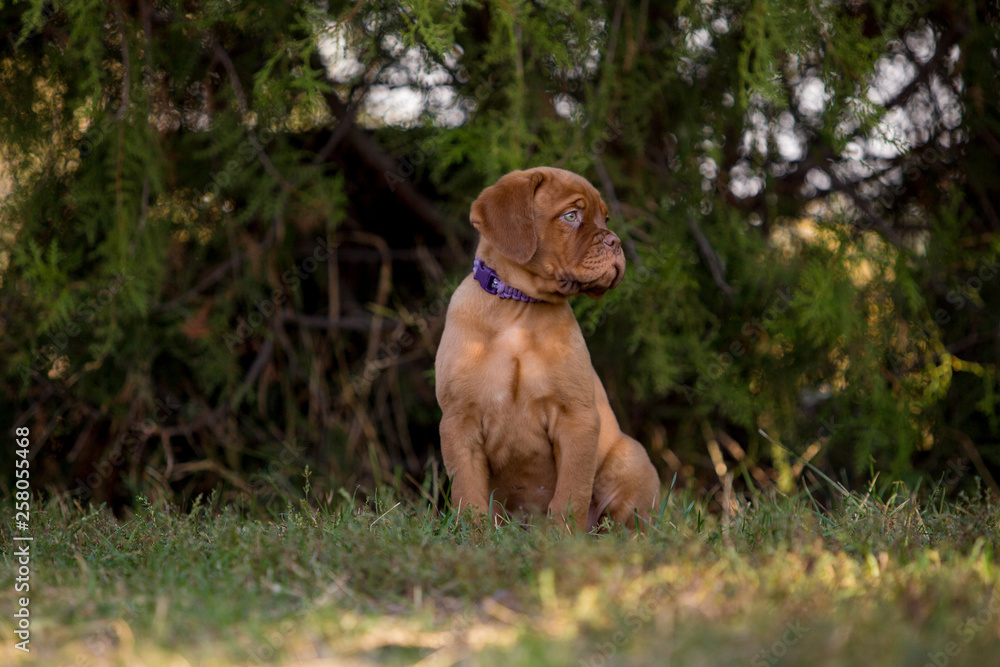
895	580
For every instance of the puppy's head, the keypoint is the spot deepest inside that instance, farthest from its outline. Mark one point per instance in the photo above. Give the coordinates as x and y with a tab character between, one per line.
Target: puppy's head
553	224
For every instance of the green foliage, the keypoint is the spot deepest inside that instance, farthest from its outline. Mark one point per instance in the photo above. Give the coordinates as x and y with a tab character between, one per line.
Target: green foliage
178	172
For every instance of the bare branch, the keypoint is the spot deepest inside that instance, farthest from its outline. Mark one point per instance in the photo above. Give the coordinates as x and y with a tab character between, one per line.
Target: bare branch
126	63
944	44
241	102
715	264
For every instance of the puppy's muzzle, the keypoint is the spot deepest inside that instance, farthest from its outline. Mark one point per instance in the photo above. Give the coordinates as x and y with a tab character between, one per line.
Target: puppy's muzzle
607	251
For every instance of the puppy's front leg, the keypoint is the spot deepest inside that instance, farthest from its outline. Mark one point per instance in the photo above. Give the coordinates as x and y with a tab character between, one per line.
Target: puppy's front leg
574	444
465	460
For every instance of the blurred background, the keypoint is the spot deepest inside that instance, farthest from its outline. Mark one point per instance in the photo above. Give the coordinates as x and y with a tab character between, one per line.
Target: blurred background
229	231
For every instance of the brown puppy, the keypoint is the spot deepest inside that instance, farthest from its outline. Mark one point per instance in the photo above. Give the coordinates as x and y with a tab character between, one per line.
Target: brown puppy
526	420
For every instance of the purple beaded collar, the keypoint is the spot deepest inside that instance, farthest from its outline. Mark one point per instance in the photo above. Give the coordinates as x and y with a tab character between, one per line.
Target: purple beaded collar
490	281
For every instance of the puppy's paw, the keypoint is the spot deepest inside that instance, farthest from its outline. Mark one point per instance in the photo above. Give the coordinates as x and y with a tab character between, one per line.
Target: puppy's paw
567	519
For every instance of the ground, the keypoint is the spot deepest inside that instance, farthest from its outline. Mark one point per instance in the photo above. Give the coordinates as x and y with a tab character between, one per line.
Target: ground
889	578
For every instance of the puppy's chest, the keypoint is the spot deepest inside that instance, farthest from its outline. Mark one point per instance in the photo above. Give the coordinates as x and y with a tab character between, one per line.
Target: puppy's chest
527	368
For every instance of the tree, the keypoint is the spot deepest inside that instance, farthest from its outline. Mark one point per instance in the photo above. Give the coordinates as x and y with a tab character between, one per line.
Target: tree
232	229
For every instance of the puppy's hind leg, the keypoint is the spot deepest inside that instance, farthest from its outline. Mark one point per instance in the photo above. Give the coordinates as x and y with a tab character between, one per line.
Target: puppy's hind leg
626	485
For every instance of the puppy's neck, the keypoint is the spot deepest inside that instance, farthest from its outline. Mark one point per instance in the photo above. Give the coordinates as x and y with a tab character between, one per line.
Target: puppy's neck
518	276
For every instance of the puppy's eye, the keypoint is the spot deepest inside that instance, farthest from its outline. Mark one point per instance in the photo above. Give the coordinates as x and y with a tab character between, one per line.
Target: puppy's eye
571	217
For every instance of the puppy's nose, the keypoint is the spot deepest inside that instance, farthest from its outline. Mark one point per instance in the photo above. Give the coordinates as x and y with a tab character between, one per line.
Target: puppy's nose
612	240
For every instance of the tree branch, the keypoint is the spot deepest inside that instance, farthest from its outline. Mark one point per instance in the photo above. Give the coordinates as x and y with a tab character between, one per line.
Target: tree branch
715	264
241	102
380	161
948	40
126	63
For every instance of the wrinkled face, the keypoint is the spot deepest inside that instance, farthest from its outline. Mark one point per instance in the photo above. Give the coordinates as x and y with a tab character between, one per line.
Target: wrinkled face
576	248
554	224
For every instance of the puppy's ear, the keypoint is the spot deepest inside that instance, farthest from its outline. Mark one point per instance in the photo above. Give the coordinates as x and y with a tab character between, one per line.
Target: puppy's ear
505	214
